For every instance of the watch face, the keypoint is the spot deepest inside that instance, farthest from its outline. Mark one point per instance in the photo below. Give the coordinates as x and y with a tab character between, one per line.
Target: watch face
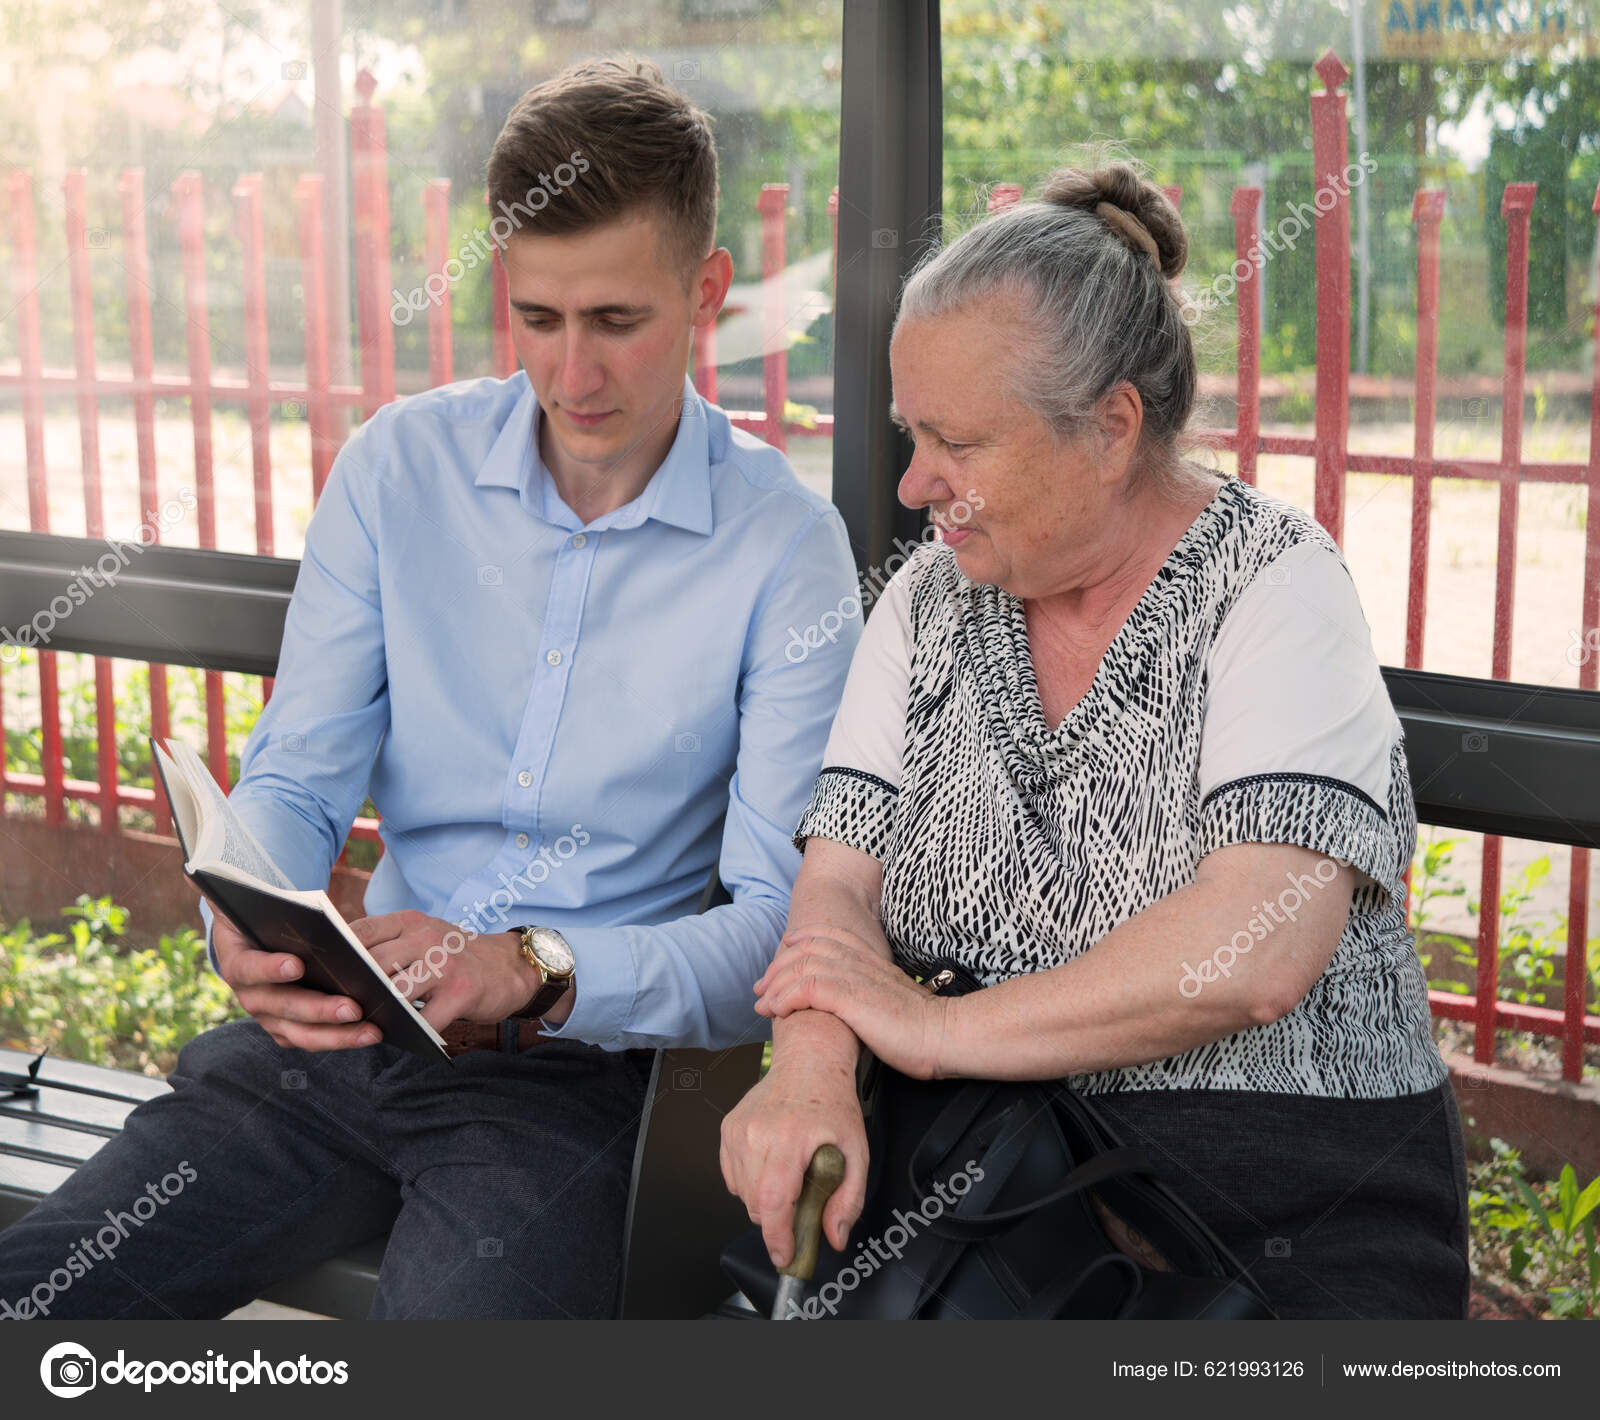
552	950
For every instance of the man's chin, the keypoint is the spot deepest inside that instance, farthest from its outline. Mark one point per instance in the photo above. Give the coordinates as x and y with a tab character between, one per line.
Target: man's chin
598	447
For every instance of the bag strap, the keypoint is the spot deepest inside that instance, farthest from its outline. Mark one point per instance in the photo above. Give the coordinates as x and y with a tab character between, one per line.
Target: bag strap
1007	1133
1114	1163
1049	1302
1000	1140
1084	1111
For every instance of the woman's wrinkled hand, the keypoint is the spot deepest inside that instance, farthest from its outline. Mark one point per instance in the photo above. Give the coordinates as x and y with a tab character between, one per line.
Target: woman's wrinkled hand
770	1136
902	1023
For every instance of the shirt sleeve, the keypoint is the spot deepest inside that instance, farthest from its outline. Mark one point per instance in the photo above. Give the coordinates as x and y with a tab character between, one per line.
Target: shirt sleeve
854	798
1299	731
304	770
689	982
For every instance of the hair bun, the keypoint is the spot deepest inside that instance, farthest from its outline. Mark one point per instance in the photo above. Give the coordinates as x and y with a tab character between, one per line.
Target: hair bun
1136	210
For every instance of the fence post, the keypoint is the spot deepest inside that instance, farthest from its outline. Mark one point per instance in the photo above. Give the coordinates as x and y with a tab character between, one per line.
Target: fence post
186	195
1245	207
80	240
141	365
257	362
1330	152
314	312
1427	211
436	221
1576	974
1003	195
25	300
774	320
369	182
247	201
1516	206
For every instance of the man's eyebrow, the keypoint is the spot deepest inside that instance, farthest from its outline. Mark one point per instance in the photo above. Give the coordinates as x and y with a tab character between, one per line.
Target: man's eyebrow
611	308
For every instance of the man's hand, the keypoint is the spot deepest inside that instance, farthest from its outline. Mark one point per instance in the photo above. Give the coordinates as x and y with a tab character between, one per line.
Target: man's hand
294	1016
483	978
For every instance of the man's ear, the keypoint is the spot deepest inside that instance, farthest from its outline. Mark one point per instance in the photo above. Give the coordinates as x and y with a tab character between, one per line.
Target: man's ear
709	288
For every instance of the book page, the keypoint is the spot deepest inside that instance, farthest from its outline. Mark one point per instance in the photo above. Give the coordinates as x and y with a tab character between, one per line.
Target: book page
185	813
238	848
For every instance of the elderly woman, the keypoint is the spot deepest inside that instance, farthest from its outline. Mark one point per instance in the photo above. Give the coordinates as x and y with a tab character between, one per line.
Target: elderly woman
1119	745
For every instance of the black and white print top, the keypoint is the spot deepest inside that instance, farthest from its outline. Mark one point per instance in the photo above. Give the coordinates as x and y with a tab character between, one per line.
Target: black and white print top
1241	702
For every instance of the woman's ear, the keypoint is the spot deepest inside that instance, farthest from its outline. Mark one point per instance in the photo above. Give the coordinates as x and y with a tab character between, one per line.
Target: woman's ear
1120	420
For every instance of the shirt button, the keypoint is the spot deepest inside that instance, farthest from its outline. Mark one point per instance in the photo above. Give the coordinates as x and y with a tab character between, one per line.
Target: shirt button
554	657
524	779
578	539
522	840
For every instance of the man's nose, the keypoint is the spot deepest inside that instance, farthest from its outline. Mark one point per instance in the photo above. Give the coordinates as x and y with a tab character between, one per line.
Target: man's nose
581	373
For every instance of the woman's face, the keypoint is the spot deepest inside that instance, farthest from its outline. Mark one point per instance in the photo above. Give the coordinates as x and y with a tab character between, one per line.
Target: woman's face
1021	509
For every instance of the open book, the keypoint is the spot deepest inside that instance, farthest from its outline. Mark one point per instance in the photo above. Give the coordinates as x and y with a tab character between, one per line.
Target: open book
223	860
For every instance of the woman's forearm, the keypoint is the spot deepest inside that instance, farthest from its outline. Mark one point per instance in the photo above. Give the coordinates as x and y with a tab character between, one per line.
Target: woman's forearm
1170	978
836	895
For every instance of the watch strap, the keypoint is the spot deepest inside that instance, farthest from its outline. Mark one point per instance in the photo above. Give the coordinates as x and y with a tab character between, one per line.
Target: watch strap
544	998
551	989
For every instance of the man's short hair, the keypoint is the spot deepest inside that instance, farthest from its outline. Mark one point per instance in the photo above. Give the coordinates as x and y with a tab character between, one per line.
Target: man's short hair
646	146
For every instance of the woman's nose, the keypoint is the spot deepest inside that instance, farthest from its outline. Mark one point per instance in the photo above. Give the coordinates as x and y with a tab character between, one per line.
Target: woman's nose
920	484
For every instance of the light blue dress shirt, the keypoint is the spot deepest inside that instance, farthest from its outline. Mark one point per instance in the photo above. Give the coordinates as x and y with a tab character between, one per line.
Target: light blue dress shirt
562	723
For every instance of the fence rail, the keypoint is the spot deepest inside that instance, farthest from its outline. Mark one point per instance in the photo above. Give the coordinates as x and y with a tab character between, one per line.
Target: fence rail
321	399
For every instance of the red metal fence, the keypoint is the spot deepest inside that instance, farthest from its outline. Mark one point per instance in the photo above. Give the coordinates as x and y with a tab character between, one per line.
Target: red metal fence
1328	447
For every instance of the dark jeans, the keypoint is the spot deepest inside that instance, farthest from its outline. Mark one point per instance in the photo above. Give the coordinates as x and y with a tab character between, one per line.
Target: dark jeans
504	1180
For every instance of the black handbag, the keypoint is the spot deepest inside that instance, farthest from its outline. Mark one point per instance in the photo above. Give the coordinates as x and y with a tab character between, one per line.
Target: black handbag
998	1200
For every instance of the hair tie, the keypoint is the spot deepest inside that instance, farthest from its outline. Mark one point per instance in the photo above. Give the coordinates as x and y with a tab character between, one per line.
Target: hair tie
1131	227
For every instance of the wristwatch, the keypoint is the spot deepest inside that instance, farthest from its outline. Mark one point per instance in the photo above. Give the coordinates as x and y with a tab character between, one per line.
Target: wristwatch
547	951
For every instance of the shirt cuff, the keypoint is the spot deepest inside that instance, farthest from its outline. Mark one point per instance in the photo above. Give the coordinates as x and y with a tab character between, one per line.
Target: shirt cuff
607	983
853	807
1325	815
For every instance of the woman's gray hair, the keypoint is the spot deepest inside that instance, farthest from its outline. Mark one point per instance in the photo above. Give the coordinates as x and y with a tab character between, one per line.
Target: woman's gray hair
1089	262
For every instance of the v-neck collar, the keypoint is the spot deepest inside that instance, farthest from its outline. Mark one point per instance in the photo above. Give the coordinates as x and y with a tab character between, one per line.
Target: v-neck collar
993	632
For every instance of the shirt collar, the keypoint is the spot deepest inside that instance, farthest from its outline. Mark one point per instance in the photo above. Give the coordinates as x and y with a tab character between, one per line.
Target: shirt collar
678	493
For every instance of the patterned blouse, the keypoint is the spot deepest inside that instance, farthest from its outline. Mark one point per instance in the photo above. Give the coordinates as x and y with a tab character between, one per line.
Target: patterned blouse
1241	702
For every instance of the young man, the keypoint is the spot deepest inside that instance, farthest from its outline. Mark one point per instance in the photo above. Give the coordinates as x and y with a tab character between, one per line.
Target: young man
546	620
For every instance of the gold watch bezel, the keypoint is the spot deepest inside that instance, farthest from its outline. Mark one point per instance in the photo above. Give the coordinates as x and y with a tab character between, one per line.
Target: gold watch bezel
548	974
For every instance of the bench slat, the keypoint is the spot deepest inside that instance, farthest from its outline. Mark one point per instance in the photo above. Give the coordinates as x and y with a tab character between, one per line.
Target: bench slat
91	1113
24	1181
76	1076
30	1138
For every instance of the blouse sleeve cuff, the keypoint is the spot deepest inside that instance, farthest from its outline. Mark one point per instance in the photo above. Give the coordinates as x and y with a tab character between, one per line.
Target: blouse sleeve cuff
851	806
1325	815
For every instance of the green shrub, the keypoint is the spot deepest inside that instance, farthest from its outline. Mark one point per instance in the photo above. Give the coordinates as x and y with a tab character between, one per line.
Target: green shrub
87	997
1538	1237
